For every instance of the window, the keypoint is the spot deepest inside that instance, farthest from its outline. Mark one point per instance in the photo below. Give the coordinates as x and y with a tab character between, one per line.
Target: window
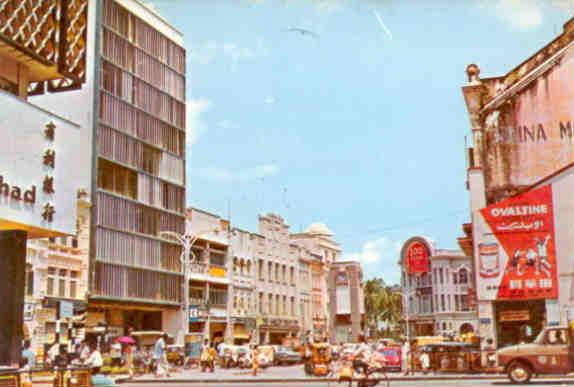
260	269
270	271
292	275
284	274
284	306
29	280
217	259
116	178
270	307
442	303
292	306
73	289
464	303
217	297
277	279
248	268
277	303
50	282
75	243
261	311
440	273
463	276
196	296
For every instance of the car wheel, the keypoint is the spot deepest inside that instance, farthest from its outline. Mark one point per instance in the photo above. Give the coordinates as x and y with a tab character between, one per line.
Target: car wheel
519	372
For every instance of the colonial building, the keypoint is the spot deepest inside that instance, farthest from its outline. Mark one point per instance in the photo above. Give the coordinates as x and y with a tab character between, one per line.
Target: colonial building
56	281
436	286
518	176
42	50
347	306
211	274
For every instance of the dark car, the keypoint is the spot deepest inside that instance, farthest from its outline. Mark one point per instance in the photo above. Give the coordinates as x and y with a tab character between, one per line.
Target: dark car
285	356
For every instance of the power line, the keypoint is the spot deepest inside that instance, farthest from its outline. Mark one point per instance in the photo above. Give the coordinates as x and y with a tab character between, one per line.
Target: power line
404	225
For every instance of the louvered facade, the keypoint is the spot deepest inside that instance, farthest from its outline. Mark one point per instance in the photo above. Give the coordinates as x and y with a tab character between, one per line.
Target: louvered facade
140	160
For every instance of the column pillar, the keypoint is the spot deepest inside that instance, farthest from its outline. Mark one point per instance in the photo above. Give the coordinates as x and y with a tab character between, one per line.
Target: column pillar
12	277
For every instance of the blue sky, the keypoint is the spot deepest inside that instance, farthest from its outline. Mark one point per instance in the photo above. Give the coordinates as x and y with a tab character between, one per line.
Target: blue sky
360	127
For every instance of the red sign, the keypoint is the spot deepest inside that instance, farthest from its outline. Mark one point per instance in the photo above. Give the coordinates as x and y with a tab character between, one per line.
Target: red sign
417	257
524	228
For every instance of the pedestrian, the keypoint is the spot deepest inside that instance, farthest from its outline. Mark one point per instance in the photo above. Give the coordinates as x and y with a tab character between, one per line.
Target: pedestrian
425	361
255	359
405	352
95	360
129	354
84	352
116	354
160	357
53	353
361	356
204	356
28	356
212	355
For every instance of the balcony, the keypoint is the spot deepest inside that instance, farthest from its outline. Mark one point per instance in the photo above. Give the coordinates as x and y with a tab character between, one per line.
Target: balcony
206	272
49	38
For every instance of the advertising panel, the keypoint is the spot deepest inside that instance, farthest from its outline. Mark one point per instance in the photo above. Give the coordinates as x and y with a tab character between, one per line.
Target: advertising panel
516	256
535	131
417	258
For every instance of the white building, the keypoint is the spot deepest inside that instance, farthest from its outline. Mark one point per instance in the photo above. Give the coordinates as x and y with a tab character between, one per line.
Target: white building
436	285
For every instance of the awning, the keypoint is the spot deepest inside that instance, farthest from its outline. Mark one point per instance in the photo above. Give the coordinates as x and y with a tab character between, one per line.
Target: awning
239	332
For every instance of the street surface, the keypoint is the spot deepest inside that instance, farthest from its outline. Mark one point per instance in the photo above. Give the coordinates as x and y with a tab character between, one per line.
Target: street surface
429	383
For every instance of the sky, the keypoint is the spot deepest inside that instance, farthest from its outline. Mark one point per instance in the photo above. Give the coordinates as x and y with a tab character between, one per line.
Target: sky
348	113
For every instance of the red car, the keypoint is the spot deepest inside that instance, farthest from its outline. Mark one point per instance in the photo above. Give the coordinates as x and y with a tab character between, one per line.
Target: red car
392	358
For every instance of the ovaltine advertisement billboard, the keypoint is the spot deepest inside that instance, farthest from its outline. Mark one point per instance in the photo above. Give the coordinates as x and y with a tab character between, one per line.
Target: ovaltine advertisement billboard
516	257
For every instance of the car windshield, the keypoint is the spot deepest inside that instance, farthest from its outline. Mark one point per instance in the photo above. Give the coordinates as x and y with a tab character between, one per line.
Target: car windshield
390	352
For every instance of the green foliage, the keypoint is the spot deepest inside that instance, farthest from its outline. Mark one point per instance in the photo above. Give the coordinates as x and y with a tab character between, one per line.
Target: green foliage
382	304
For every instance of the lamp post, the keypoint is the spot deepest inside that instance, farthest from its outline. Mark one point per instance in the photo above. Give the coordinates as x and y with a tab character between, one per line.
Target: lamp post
187	241
406	297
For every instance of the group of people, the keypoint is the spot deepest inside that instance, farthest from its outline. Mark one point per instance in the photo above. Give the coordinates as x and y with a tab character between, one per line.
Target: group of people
209	353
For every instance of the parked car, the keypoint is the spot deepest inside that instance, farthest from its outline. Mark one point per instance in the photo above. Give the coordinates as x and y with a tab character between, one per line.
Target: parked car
392	358
284	356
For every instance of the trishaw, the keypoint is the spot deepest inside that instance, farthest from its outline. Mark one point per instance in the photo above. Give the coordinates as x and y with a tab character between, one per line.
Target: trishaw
318	363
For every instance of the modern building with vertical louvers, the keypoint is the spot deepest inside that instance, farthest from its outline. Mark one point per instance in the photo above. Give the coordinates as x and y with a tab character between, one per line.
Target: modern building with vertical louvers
138	169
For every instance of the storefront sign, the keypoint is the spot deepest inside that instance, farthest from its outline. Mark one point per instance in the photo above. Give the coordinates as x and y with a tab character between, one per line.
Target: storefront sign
217	271
66	309
517	259
43	167
29	311
196	313
514	315
417	258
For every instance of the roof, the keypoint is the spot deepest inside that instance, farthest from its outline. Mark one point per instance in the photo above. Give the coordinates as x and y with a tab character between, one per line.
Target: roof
319	229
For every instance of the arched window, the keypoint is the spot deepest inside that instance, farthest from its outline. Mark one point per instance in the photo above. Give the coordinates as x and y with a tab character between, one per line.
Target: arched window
248	268
241	266
463	276
235	266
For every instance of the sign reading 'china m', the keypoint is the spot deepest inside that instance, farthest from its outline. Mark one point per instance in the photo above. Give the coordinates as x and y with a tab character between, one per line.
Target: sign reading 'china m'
516	256
417	258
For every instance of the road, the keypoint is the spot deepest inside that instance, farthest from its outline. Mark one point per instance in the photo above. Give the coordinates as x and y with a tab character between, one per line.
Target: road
429	383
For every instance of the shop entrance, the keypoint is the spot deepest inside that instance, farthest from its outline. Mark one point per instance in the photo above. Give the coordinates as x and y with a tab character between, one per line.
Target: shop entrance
519	321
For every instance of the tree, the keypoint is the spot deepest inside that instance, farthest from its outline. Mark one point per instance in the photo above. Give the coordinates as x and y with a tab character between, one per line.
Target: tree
382	304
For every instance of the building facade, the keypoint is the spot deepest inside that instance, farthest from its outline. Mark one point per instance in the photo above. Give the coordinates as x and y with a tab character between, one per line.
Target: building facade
437	290
347	307
41	150
275	283
518	169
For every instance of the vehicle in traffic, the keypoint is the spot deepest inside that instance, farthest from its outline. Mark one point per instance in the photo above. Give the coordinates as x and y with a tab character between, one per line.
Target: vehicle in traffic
550	353
285	356
391	358
318	364
175	354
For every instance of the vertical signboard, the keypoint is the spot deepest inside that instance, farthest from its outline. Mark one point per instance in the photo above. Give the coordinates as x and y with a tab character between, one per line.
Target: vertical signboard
516	256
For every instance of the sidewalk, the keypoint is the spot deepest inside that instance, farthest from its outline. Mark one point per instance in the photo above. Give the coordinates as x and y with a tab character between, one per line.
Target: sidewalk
284	374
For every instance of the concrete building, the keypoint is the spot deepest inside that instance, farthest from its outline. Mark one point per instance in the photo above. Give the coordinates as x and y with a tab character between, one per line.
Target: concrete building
518	173
347	306
323	250
277	291
211	273
57	274
436	285
41	153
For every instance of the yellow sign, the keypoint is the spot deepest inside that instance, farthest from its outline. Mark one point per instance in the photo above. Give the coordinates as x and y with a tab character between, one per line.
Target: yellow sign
515	315
217	271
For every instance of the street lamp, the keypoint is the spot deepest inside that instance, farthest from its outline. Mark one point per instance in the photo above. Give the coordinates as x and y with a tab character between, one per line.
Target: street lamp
406	297
187	241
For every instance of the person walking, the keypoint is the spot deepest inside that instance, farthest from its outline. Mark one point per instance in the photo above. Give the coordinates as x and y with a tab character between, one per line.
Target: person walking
255	359
204	356
160	357
28	356
95	360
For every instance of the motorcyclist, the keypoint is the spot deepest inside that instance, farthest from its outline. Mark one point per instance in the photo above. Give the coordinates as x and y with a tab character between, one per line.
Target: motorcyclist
361	356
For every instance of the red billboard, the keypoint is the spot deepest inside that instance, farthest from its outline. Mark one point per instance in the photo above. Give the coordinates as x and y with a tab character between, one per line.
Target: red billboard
417	257
523	227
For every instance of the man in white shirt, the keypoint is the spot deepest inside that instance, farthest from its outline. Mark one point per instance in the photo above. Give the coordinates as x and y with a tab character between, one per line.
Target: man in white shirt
95	360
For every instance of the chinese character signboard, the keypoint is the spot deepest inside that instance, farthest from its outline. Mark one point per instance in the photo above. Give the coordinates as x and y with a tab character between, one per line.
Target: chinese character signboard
516	258
43	167
417	258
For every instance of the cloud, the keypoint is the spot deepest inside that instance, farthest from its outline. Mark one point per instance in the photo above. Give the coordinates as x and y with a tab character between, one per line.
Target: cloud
195	125
227	124
379	257
269	100
242	175
524	14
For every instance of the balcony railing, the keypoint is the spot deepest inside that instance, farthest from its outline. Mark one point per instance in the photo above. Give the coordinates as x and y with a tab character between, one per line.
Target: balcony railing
53	33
